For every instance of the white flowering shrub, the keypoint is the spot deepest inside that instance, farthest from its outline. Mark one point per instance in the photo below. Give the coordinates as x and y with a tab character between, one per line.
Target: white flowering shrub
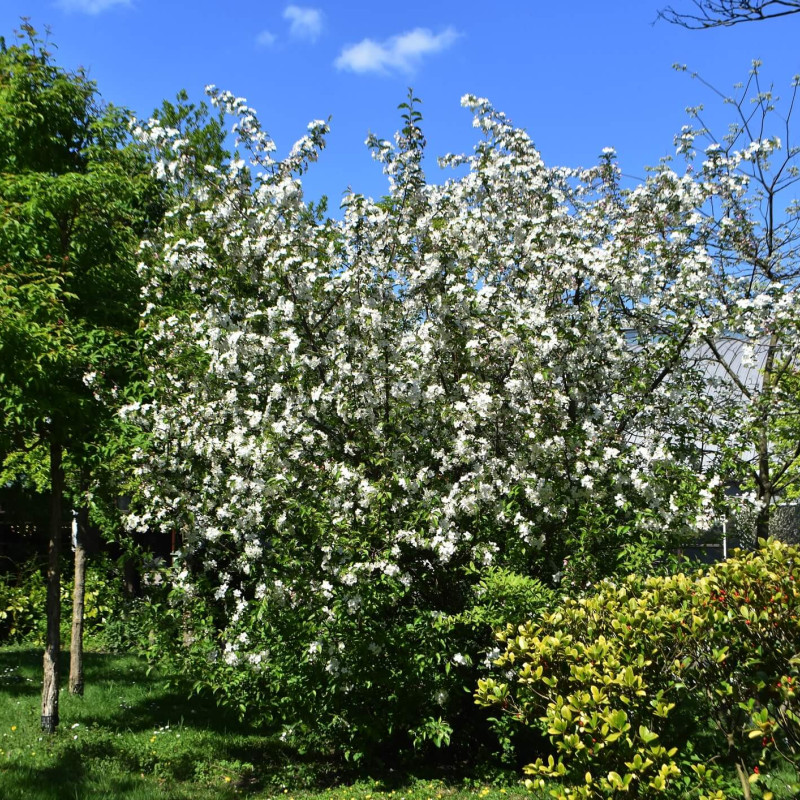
352	419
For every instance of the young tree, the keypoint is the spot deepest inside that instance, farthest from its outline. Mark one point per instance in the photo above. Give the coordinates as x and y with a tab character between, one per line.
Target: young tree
755	244
76	197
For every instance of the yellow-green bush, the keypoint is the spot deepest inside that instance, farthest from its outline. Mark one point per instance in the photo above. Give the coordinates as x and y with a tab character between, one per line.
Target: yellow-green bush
641	685
23	601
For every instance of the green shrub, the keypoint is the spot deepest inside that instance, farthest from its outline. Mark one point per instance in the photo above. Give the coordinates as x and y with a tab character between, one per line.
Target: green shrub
622	677
383	678
23	598
502	595
22	604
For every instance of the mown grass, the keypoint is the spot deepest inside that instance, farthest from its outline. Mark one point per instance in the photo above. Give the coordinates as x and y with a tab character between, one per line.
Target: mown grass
135	736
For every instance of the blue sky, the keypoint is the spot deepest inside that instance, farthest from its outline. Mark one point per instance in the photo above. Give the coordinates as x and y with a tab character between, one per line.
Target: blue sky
577	76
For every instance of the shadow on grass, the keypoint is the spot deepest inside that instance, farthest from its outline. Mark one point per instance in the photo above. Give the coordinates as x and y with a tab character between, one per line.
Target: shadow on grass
20	671
68	778
60	780
122	707
163	704
120	693
121	735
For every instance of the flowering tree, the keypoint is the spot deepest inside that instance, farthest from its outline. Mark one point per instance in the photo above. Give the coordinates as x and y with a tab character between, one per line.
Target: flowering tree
353	419
754	240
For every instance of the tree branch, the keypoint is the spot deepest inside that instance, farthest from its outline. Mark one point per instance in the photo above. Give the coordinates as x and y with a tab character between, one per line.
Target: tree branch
725	13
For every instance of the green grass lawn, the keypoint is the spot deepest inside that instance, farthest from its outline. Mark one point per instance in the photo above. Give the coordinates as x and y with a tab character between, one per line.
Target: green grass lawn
135	737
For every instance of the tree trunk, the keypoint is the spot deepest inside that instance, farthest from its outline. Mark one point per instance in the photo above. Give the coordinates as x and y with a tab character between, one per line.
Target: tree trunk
743	781
762	527
50	683
79	590
130	578
765	486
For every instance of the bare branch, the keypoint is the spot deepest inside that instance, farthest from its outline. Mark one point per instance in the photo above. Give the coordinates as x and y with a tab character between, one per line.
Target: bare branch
724	13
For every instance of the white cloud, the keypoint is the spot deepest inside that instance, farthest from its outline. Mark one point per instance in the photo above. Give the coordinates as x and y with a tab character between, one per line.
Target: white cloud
91	6
398	53
266	39
304	23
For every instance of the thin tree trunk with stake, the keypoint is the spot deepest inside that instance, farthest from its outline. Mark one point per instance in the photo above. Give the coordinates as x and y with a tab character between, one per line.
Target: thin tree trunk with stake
50	684
78	595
